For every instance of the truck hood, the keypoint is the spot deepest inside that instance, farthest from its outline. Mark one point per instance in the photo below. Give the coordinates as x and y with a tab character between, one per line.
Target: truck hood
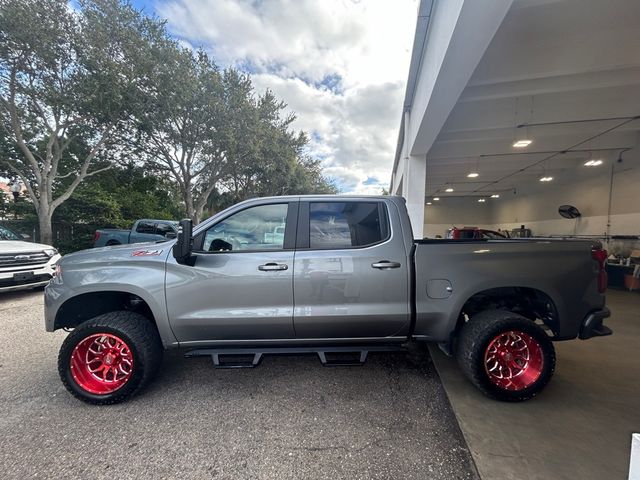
120	253
18	246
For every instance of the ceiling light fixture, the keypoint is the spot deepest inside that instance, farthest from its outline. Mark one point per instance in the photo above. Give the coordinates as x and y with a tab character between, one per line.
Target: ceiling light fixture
428	203
546	179
522	143
435	199
495	195
593	163
481	200
449	190
473	175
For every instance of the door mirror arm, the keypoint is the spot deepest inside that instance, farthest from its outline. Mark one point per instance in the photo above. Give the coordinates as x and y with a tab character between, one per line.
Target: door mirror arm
182	249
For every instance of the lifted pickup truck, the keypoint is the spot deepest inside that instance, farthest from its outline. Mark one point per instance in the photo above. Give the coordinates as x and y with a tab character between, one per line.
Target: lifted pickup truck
142	231
346	276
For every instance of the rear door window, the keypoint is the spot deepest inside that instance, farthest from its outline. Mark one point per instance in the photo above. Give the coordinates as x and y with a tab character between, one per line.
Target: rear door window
334	225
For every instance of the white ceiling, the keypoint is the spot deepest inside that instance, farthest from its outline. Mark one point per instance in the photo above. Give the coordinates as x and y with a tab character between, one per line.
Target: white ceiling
550	61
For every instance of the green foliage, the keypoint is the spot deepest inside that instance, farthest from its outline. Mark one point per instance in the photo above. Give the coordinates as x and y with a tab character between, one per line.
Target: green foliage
217	139
118	197
107	119
71	83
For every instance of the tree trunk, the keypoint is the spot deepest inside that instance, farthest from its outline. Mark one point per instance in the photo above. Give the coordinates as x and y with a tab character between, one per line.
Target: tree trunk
46	232
188	205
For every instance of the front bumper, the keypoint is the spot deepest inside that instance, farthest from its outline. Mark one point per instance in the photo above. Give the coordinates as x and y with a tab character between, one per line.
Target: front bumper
592	324
39	275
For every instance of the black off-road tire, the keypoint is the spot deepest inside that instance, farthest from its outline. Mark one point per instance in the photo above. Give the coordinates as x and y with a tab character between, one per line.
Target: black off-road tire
139	334
474	339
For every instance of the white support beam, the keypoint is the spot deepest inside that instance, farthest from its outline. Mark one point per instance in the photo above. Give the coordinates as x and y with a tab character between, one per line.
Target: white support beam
459	34
413	186
634	464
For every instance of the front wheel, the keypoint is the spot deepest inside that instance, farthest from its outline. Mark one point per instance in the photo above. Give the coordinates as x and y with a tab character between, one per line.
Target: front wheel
505	355
109	358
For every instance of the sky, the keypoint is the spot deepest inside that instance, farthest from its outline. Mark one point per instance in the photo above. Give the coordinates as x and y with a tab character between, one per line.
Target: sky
340	65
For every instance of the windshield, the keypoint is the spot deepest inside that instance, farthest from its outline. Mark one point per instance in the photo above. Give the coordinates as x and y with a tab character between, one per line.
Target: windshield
6	234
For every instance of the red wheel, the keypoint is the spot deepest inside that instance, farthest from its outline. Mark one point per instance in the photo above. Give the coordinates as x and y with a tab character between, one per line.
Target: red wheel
101	363
505	355
513	360
109	358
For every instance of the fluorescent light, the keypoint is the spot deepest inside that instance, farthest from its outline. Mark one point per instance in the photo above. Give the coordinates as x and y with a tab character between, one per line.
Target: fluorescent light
495	195
473	175
449	190
428	203
481	200
593	163
546	179
435	199
522	143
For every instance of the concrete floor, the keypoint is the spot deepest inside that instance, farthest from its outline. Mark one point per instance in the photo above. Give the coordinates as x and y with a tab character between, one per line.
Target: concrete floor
290	418
579	428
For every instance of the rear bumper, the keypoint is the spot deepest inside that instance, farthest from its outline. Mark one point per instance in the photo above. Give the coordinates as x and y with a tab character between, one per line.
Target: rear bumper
592	325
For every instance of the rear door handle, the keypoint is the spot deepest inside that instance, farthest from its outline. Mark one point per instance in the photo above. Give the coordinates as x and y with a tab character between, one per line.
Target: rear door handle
272	267
384	264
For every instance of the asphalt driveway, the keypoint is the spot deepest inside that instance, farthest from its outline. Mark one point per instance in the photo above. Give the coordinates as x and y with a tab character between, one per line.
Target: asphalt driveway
288	418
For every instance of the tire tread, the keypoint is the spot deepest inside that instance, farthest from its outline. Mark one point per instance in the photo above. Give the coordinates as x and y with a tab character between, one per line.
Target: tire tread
141	332
471	344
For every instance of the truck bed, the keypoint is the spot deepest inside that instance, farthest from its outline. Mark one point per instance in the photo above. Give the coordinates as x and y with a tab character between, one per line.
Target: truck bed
447	272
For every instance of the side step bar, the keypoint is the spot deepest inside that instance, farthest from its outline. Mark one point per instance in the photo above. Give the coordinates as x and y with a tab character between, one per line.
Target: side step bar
329	356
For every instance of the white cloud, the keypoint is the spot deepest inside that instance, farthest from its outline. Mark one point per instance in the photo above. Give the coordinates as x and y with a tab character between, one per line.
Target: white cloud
340	65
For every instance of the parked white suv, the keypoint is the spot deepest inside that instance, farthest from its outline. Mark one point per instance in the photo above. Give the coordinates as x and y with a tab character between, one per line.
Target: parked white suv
24	265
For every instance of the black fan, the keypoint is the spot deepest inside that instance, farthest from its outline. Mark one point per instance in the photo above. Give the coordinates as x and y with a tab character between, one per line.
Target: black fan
568	211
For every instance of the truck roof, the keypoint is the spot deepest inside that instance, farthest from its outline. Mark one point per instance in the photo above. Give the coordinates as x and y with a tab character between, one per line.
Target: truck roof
327	196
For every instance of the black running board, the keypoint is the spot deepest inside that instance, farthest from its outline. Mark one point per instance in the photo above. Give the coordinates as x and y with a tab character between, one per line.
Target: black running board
251	357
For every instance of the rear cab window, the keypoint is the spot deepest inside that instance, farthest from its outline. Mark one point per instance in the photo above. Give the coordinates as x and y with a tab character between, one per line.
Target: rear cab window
164	229
146	227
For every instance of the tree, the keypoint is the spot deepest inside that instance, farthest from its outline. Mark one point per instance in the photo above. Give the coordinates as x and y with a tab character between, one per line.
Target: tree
268	157
70	81
218	141
118	197
180	132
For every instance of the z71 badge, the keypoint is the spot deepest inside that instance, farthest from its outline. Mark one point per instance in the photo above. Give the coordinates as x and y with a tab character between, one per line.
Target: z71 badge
146	253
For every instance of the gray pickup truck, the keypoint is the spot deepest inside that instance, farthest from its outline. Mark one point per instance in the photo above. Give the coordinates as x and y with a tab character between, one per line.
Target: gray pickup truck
143	230
338	276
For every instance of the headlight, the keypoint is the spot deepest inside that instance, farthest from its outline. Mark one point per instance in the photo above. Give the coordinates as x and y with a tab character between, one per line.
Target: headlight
51	252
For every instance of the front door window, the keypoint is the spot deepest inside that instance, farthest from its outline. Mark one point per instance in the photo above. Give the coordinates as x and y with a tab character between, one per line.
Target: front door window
254	229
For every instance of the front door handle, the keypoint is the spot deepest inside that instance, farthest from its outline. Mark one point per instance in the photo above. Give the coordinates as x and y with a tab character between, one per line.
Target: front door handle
272	267
384	264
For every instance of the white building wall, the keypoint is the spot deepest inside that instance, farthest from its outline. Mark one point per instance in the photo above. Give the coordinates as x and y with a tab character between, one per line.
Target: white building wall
536	206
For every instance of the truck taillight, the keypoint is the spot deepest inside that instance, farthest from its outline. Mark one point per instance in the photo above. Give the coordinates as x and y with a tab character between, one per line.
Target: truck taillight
600	255
96	236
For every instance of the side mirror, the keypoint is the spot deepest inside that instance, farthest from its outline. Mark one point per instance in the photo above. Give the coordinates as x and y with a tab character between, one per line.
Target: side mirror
25	236
182	248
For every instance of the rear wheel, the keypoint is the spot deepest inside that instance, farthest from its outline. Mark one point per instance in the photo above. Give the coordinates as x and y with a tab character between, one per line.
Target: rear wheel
111	243
505	355
110	357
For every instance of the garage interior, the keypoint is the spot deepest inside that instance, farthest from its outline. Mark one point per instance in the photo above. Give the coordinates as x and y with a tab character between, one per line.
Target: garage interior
512	109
